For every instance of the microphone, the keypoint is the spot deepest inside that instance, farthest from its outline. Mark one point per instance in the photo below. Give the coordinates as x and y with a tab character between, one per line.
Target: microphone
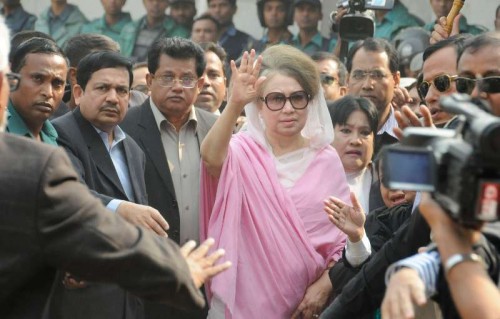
455	10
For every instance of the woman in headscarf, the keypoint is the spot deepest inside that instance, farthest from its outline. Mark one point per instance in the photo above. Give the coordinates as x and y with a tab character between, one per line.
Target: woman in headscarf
262	191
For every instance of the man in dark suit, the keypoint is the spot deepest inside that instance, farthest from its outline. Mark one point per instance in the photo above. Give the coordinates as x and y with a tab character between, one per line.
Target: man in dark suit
111	164
49	219
168	123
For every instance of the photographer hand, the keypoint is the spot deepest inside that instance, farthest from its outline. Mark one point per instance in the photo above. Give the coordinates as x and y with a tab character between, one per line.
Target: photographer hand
405	289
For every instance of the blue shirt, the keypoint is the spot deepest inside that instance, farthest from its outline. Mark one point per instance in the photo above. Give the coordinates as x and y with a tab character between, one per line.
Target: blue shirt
19	20
100	26
16	125
117	154
235	42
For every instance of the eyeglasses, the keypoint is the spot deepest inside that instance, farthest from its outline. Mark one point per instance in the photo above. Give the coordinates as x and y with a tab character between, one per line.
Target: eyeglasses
169	81
326	79
275	101
441	82
14	79
490	84
360	75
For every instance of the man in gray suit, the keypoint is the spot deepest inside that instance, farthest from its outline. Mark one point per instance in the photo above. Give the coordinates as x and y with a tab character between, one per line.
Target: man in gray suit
169	129
49	220
112	165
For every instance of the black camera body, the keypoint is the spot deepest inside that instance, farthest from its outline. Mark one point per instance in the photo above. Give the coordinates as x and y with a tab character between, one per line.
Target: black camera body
460	167
357	24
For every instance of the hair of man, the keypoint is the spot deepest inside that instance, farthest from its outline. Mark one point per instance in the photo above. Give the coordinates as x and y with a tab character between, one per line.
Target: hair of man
341	69
96	61
33	45
176	48
218	50
374	45
79	46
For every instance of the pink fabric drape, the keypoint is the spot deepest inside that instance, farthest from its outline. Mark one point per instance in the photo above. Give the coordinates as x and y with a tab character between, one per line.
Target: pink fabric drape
278	240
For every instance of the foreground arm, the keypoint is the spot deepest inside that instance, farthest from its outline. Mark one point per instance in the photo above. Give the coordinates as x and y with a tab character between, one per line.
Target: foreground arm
77	234
243	89
473	292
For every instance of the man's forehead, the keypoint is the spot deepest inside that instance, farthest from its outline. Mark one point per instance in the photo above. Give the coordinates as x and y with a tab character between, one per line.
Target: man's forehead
485	60
373	59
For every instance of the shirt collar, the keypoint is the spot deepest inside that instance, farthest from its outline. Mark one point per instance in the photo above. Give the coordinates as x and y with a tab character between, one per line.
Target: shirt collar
389	124
160	118
143	24
118	136
231	30
68	9
16	125
317	40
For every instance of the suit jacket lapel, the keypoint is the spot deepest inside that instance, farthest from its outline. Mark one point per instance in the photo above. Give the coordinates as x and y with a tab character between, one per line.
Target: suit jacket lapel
135	170
98	151
153	146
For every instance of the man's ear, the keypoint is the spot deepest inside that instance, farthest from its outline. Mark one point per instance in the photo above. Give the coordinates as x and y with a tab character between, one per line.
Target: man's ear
343	90
77	93
397	77
199	84
72	76
149	80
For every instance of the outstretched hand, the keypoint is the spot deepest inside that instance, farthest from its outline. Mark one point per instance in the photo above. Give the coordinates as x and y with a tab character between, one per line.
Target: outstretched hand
406	117
245	80
201	265
349	219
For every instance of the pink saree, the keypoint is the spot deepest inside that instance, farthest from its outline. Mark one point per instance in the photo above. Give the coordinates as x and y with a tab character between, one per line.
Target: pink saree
279	241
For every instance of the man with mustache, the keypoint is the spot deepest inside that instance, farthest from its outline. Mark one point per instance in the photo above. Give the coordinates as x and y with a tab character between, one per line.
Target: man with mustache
42	68
112	165
213	92
373	66
169	129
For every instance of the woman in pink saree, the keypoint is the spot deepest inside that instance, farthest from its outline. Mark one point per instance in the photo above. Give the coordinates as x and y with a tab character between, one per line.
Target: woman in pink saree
262	191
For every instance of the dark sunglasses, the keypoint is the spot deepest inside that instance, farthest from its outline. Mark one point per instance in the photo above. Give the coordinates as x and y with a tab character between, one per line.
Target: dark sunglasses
441	82
275	101
326	79
490	84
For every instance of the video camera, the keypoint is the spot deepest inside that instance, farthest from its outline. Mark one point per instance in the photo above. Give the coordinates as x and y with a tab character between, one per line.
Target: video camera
357	24
460	167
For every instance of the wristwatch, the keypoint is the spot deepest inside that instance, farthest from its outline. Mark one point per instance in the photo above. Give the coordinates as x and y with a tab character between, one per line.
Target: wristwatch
456	259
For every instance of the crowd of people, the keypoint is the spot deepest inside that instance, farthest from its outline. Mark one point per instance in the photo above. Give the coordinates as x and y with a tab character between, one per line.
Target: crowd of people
180	129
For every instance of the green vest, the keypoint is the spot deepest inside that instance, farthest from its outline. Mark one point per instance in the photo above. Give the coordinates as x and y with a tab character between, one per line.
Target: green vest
100	26
129	33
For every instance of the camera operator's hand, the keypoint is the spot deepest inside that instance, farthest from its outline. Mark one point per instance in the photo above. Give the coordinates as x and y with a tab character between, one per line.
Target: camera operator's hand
442	225
404	290
406	117
472	290
440	33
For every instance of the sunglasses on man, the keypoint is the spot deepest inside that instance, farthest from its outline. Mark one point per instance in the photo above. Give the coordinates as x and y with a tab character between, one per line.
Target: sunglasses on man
490	84
442	83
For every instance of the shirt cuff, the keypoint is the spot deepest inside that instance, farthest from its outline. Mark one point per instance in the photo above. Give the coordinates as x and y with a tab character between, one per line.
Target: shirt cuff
427	266
357	253
113	205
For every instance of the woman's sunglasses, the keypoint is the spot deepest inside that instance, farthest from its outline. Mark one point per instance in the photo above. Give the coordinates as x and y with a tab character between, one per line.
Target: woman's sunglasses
490	84
442	83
